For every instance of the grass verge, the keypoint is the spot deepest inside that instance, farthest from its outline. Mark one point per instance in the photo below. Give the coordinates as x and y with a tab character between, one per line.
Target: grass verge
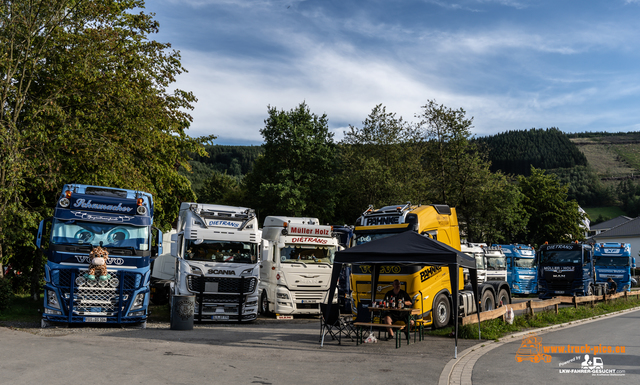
22	309
496	328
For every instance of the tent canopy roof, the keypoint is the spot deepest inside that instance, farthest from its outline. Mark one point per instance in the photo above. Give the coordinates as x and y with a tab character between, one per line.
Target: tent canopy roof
407	247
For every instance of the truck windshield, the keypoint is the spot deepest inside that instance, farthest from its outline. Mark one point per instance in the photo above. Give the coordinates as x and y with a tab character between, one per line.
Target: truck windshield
480	261
309	254
92	234
525	263
496	263
221	251
364	238
561	257
612	261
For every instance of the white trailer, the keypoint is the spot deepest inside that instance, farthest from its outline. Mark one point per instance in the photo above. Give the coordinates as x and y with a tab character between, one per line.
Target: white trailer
296	266
217	249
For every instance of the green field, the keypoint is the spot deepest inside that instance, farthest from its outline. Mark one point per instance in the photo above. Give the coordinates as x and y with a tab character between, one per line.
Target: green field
609	212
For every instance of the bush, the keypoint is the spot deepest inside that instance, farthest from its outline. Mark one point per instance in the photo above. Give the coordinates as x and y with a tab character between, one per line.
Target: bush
6	294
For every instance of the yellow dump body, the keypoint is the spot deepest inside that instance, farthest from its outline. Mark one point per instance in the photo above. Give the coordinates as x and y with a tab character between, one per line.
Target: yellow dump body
438	222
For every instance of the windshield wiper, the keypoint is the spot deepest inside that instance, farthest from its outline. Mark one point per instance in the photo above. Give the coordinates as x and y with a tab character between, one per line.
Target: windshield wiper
130	248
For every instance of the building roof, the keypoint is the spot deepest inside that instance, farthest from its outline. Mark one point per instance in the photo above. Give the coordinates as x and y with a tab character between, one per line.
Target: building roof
611	223
630	228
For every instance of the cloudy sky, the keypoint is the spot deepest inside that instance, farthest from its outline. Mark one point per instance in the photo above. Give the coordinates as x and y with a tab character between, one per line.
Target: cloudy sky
511	64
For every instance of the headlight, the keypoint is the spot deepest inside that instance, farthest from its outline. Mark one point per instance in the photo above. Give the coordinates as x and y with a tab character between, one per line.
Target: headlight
52	300
195	269
138	302
247	272
283	296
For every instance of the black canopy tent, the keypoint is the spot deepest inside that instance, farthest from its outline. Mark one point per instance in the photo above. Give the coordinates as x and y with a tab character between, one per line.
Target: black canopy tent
406	248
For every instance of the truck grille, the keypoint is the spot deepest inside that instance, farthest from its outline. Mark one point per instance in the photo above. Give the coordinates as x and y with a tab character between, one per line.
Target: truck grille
566	286
95	297
196	284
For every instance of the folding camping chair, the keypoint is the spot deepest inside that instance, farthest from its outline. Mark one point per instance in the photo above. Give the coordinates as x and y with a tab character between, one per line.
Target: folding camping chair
334	325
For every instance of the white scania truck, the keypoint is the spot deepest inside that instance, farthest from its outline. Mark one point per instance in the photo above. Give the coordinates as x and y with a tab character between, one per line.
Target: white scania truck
297	260
217	260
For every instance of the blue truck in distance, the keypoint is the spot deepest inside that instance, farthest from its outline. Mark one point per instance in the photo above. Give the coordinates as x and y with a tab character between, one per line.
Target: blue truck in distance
522	272
84	218
613	260
565	270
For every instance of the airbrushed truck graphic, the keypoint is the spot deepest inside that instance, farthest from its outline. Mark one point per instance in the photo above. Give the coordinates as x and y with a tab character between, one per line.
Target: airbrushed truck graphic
114	288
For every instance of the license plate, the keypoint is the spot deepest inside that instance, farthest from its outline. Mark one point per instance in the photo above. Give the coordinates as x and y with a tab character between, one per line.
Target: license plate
308	301
220	317
95	319
559	291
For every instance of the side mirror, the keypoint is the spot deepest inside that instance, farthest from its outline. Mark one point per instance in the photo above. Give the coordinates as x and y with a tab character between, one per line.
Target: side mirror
42	228
633	262
159	240
174	245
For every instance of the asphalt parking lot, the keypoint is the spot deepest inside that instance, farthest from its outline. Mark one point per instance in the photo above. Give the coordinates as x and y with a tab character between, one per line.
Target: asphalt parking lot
267	351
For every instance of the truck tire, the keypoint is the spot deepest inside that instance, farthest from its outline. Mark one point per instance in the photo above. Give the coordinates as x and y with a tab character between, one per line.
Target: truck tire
441	311
504	297
488	302
589	290
264	304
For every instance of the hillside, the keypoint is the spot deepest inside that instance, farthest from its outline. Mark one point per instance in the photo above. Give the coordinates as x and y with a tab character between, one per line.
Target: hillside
611	156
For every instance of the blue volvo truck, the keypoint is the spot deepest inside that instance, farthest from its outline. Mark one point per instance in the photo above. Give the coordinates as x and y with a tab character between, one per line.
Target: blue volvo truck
566	270
613	260
522	272
85	218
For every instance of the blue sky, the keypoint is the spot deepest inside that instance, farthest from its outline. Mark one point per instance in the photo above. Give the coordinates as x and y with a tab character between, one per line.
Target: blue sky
510	64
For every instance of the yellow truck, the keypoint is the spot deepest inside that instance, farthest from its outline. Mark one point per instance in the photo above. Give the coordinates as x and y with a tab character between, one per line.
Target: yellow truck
429	285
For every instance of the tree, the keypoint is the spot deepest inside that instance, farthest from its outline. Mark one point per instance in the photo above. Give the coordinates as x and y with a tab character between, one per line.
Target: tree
220	189
86	99
553	218
380	164
295	175
489	207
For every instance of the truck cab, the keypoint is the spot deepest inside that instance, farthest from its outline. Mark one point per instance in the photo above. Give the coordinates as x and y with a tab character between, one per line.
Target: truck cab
90	218
217	259
296	265
521	268
476	252
565	269
429	285
613	260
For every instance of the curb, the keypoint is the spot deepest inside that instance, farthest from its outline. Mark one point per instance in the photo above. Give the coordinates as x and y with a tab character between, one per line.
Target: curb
468	357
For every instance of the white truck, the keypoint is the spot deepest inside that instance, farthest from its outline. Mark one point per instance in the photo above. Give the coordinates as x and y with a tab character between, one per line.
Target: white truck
496	263
217	249
296	266
474	250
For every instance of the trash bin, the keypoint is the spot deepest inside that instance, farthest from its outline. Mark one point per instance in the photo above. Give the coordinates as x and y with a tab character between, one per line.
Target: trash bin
182	312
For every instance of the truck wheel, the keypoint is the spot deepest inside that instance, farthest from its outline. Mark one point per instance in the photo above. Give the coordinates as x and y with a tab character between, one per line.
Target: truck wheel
488	302
441	311
504	297
264	304
590	290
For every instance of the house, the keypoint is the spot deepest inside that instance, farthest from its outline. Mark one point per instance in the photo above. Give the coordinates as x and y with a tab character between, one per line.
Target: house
607	225
627	231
